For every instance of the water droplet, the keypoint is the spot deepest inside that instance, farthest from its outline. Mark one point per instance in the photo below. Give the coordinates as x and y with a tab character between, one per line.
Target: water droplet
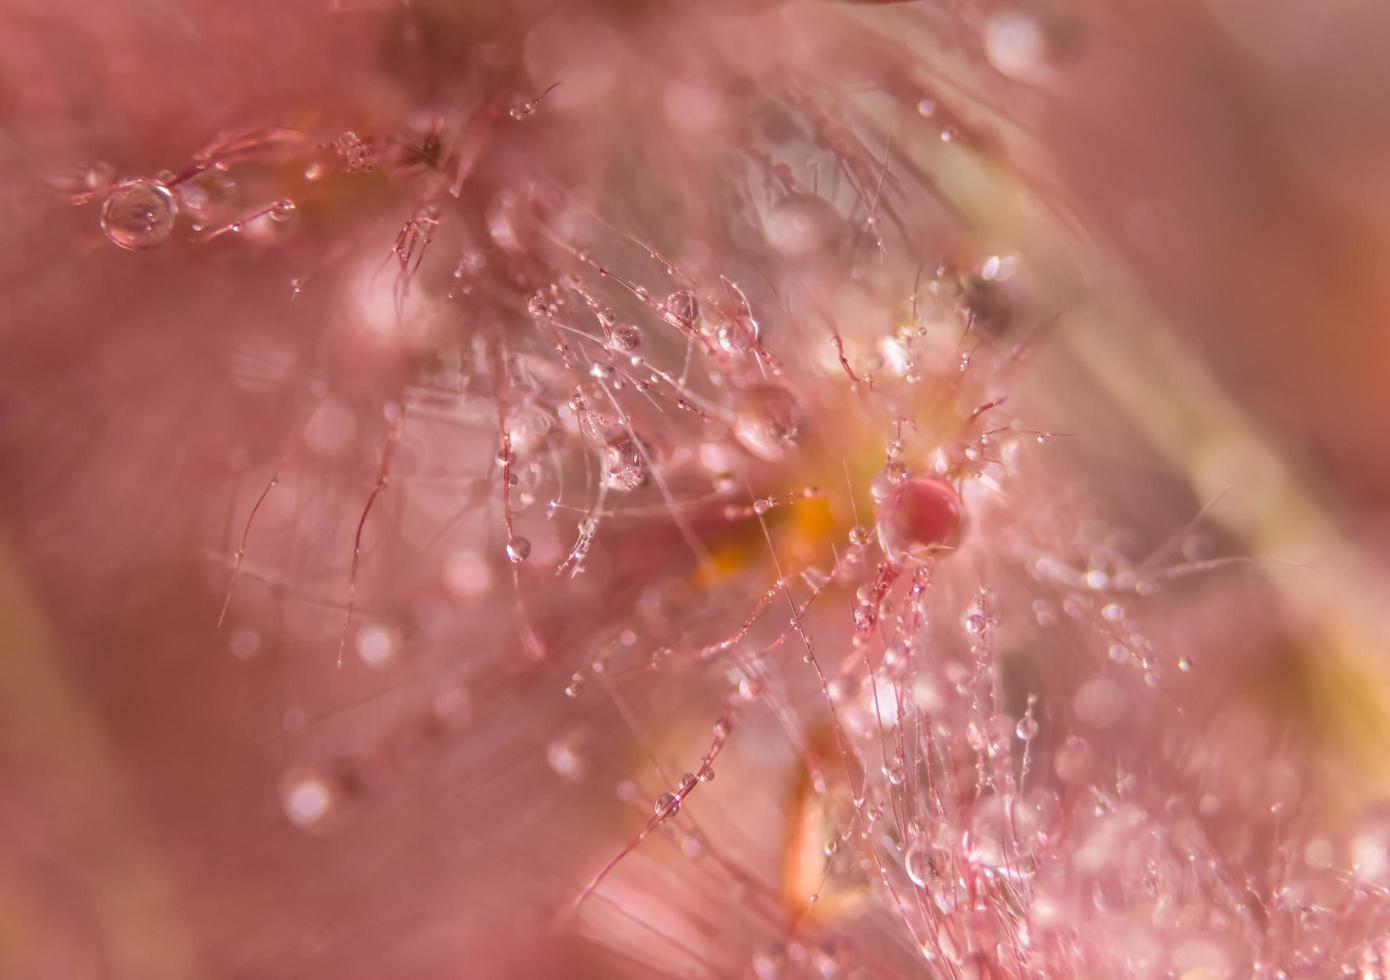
768	421
575	686
282	210
623	466
762	505
922	863
139	214
688	781
920	520
738	334
518	550
859	535
801	226
626	338
1027	728
1184	664
682	307
667	805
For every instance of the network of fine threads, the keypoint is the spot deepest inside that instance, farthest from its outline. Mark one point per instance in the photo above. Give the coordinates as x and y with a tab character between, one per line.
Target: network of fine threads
717	444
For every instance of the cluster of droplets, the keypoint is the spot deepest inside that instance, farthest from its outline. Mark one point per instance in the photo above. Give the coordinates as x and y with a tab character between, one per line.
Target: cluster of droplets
956	770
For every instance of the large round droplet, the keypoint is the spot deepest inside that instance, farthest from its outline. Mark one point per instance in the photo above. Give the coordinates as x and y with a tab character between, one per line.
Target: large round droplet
924	863
768	421
921	519
682	307
624	467
139	214
801	225
738	334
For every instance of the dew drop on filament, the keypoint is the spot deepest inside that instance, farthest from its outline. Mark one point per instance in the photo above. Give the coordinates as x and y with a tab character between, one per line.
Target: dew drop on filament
921	862
738	335
623	465
139	214
667	805
768	421
626	338
921	519
682	307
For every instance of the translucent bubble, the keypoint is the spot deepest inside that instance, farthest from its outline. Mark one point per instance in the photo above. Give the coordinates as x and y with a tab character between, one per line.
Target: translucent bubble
518	549
1027	729
922	863
683	307
738	334
920	520
801	225
139	214
626	338
623	466
667	805
283	210
768	421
